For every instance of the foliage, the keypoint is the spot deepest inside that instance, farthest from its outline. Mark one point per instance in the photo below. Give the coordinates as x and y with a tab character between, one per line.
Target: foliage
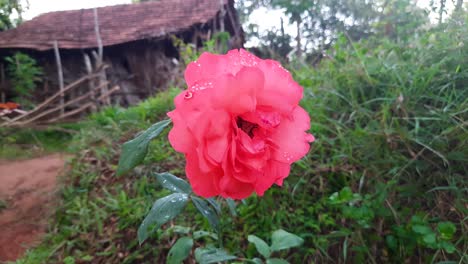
7	8
98	206
391	119
385	182
218	43
135	150
319	23
275	44
188	52
24	73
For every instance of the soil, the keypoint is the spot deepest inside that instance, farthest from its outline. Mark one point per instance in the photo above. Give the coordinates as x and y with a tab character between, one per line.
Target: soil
28	188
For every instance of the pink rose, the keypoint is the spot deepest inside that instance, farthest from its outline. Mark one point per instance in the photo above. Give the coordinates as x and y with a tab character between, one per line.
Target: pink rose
239	124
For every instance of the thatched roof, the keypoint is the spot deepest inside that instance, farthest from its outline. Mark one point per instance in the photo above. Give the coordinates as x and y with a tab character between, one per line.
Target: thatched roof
118	24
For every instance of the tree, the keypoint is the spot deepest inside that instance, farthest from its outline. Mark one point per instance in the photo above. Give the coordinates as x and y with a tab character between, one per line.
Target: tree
320	22
7	9
275	44
24	74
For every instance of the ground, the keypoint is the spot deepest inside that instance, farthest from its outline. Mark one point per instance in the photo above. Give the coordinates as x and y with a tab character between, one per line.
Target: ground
27	188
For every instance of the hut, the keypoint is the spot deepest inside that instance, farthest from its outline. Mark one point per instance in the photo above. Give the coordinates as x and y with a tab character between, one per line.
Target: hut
132	44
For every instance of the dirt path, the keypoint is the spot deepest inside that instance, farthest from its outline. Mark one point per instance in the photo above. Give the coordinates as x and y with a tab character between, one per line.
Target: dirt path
28	187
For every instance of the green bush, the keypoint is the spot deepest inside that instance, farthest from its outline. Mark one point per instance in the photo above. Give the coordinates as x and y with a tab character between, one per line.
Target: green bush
390	122
24	73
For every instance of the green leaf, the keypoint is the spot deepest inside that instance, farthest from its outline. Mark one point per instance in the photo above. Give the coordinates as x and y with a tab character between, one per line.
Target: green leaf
87	258
257	261
344	196
215	204
284	240
446	230
134	151
173	183
447	246
176	229
276	261
206	255
261	245
207	211
429	239
180	250
422	229
392	242
232	206
163	210
69	260
201	233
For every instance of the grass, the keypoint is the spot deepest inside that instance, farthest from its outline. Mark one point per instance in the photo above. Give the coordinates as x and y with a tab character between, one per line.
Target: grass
385	182
28	143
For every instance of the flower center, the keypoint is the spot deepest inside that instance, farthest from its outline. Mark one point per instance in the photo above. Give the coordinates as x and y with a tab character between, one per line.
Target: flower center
246	126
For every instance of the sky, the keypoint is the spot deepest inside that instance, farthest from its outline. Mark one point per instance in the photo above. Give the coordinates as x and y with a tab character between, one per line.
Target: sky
37	7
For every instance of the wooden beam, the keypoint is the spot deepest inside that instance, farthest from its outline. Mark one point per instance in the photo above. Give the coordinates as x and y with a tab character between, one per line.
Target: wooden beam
60	76
98	35
222	14
234	24
84	107
100	57
53	97
45	113
89	69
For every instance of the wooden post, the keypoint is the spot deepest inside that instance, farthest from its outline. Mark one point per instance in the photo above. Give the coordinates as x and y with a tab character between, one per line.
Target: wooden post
2	84
98	34
100	57
234	23
236	41
60	76
89	69
221	16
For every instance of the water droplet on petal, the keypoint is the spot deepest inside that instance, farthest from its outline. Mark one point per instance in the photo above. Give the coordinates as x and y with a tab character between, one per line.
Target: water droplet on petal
287	156
188	95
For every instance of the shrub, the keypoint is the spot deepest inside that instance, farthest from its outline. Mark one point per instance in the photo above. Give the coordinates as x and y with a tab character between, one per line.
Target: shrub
24	73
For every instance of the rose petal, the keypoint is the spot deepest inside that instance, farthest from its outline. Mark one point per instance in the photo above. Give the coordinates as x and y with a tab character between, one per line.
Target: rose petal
252	152
217	148
237	94
290	139
281	92
265	117
211	66
204	184
208	66
180	137
275	172
235	189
